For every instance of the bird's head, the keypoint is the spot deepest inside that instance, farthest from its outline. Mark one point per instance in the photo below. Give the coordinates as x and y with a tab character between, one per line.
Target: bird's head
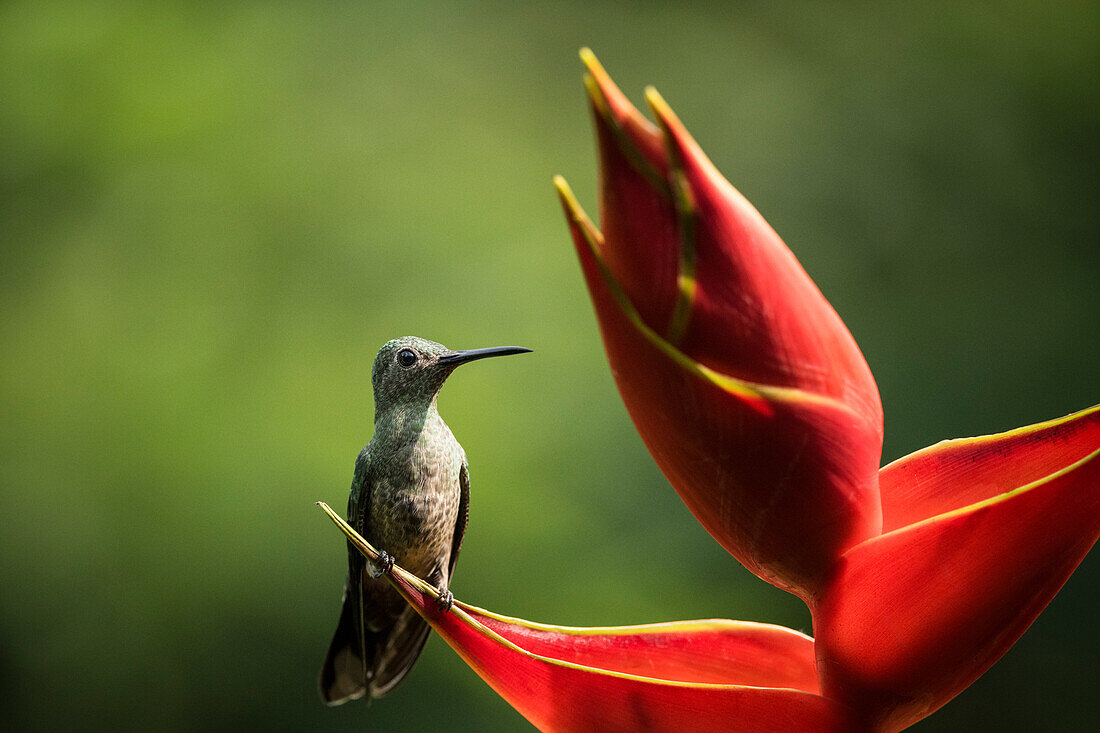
411	370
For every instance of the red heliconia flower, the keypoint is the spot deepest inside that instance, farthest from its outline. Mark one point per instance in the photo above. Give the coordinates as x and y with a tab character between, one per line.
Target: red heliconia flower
758	406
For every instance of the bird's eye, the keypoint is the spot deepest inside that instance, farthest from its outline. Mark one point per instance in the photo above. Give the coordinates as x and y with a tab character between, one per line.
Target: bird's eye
406	357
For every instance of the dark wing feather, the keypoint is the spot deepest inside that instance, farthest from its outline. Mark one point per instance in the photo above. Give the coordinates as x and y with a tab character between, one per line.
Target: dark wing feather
358	506
341	678
344	674
463	516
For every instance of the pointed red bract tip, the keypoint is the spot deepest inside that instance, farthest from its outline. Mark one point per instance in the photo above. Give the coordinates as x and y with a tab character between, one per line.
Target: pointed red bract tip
636	208
957	473
611	105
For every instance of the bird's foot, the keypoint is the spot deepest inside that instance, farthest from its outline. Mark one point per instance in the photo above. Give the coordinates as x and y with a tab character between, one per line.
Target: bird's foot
446	600
382	565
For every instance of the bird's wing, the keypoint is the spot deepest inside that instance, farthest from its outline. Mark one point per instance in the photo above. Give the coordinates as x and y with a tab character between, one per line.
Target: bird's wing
358	506
344	674
463	515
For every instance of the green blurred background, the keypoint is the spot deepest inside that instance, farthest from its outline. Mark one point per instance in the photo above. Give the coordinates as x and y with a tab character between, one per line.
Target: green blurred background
213	214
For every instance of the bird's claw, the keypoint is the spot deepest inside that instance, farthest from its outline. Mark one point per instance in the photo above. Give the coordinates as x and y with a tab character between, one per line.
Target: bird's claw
446	600
382	565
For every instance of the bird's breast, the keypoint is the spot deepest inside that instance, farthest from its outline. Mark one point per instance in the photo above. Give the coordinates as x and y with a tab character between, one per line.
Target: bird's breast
414	508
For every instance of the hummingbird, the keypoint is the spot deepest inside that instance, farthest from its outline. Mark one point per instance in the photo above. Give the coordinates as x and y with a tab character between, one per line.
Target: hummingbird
410	498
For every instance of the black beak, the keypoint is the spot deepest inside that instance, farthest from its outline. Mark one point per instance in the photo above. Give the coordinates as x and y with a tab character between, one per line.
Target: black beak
455	358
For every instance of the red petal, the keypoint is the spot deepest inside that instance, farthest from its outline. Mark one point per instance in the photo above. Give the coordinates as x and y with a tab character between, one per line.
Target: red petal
556	694
779	477
548	673
956	473
916	615
636	207
756	314
715	652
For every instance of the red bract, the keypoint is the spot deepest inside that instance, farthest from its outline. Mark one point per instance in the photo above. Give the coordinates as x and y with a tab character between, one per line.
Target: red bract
756	403
744	383
980	535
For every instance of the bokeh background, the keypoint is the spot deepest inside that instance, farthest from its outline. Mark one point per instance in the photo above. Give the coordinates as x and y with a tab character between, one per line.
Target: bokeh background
213	214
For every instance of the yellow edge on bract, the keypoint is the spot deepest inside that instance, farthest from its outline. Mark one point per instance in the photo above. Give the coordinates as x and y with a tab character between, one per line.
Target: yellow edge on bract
714	624
1004	496
750	391
993	437
371	553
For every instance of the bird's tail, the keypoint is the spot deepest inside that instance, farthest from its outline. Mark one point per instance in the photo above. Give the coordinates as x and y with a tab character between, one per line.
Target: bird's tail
343	675
392	651
396	650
